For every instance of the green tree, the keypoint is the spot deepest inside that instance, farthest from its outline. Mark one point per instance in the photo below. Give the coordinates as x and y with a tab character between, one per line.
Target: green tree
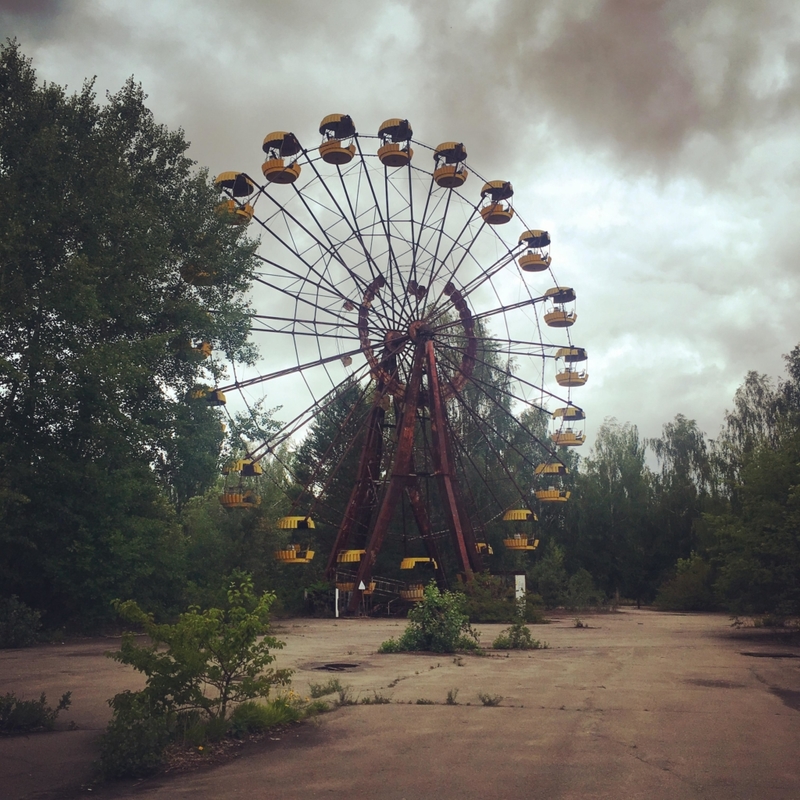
102	211
609	529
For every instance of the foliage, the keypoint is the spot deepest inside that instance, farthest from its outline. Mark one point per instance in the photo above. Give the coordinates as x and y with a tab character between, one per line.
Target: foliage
549	576
438	624
490	699
489	598
518	637
330	686
226	650
689	589
450	700
581	591
757	550
26	716
101	211
19	624
135	740
253	717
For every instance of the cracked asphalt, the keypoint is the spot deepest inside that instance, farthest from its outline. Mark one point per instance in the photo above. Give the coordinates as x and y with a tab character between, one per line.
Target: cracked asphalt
641	704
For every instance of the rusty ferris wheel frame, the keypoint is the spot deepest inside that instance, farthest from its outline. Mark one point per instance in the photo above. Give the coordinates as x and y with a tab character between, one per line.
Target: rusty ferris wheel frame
374	262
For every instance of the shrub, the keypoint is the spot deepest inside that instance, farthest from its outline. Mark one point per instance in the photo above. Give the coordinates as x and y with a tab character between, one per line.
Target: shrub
517	637
27	716
135	740
690	587
438	624
452	694
550	576
19	624
490	699
491	599
226	650
581	591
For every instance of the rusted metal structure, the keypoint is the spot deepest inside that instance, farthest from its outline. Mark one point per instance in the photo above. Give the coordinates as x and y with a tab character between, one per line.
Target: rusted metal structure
382	270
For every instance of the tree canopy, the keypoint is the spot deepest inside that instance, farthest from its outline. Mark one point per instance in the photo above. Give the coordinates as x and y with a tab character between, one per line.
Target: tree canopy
101	212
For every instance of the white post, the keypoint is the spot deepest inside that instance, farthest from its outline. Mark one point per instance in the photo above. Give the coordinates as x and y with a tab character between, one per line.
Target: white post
519	588
336	601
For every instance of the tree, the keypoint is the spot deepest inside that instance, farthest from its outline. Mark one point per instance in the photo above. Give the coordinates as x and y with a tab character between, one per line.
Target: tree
682	490
102	211
609	527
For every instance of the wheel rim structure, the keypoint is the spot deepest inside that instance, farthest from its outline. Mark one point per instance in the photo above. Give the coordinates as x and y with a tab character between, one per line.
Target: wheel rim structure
381	265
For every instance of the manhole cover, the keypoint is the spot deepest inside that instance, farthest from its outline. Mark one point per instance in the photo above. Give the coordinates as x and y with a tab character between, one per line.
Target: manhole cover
337	666
771	655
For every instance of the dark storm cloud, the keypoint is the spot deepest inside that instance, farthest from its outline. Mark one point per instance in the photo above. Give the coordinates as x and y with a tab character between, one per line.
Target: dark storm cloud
31	8
640	78
24	16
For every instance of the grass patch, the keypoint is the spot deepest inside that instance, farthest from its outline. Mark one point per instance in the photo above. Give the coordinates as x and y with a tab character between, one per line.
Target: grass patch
331	686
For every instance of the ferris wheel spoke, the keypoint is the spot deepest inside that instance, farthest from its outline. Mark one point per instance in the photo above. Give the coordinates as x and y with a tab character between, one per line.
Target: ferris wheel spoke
463	450
288	371
331	247
392	261
483	421
300	299
296	424
516	378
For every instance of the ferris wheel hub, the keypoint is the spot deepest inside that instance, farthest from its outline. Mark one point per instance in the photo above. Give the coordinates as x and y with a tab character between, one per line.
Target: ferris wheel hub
420	331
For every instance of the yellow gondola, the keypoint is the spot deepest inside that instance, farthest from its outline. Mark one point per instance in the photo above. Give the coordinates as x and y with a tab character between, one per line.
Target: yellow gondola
535	259
334	128
296	523
520	542
494	211
519	514
235	213
450	172
410	563
350	556
396	137
281	149
294	554
414	593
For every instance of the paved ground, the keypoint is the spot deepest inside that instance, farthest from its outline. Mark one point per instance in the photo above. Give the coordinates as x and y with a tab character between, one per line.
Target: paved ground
640	705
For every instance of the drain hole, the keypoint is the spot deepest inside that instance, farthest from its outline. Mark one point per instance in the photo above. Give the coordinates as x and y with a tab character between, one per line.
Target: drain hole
771	655
337	667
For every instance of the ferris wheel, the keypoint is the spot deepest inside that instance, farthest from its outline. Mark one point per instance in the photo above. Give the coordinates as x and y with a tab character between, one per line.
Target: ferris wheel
384	267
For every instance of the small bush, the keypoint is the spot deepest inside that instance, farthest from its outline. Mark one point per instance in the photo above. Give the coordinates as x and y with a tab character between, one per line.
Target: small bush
19	624
28	716
451	697
424	702
438	624
346	696
517	637
135	740
490	699
322	689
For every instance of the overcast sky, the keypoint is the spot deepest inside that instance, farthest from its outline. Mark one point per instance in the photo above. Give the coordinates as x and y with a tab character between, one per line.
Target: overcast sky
657	140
